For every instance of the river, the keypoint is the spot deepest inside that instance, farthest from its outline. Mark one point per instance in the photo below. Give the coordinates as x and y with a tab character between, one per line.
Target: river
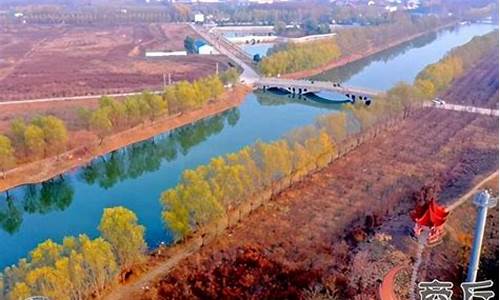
136	175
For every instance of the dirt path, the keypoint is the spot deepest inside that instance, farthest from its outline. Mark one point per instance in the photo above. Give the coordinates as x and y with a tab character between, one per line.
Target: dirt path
386	291
471	193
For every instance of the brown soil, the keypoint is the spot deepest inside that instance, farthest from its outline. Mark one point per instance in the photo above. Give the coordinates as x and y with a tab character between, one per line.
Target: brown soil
68	60
326	222
345	59
85	145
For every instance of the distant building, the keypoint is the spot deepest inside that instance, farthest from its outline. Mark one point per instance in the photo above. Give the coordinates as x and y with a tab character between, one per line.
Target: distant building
199	18
207	50
391	8
203	48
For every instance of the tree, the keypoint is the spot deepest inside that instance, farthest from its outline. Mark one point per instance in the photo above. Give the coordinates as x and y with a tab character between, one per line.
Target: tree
119	227
189	44
230	76
156	105
334	124
7	158
279	27
54	132
100	123
310	26
98	260
17	127
426	88
175	214
84	114
20	291
195	191
186	95
35	141
46	254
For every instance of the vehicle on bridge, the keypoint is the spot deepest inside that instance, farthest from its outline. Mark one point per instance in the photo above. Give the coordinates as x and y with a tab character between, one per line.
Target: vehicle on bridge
438	101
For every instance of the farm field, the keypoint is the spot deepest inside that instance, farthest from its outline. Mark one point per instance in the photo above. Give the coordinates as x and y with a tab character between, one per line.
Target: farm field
39	61
339	224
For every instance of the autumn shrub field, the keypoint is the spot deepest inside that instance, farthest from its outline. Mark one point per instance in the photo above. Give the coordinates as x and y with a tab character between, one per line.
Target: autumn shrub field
251	275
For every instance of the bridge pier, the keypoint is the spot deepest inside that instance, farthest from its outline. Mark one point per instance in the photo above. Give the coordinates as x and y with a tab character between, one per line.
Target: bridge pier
365	99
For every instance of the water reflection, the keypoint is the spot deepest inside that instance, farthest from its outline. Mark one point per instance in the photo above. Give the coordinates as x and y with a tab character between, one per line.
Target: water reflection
145	157
275	97
106	171
344	73
51	195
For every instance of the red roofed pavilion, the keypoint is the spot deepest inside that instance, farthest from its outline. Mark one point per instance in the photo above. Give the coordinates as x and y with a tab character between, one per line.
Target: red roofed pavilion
431	216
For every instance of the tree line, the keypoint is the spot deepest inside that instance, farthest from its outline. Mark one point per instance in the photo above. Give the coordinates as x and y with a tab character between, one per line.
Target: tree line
80	267
210	190
47	135
438	76
287	58
39	138
296	57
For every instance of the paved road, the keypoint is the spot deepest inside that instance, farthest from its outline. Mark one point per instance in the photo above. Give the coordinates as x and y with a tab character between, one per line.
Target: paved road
464	108
54	99
230	50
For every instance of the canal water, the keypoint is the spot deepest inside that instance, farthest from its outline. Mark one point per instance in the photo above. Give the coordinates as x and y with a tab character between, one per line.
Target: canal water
136	175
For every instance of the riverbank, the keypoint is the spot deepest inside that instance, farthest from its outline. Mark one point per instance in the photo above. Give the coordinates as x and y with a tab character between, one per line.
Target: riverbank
357	56
325	223
42	170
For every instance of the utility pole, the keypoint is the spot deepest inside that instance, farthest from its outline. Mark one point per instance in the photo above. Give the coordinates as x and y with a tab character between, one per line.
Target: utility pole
216	68
169	78
483	201
164	82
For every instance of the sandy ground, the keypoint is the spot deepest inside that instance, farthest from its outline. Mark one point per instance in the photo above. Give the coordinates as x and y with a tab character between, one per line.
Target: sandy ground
86	144
323	222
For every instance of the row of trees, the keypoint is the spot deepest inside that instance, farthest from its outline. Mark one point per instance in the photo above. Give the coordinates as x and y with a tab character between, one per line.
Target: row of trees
296	57
112	114
80	266
359	39
43	136
209	191
438	76
47	135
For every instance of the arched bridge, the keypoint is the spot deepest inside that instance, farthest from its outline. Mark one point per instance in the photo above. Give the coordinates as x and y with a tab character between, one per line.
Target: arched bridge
302	87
